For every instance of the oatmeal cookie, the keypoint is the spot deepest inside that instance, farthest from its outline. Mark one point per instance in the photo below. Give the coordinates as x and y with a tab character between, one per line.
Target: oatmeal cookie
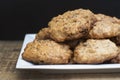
47	51
116	59
95	51
43	34
104	29
100	17
71	25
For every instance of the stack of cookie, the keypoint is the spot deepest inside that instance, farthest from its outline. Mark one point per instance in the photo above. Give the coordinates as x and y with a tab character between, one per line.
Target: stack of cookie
77	36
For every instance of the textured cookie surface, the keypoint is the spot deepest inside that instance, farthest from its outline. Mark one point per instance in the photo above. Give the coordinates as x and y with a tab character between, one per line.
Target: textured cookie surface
71	25
105	27
95	51
116	59
43	34
47	51
100	17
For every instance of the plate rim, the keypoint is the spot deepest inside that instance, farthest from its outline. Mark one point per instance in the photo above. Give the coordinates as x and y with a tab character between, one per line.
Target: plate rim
59	67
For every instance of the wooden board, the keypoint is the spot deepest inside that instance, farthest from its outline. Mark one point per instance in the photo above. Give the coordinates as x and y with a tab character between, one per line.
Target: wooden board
9	51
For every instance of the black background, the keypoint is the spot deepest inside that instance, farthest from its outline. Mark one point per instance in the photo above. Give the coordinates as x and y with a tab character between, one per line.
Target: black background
18	17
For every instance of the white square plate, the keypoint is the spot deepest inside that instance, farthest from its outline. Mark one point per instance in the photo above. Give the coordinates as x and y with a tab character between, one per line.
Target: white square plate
22	64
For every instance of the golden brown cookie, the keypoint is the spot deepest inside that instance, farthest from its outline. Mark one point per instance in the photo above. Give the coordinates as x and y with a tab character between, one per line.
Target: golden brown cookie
43	34
104	29
95	51
71	25
100	17
47	51
116	59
